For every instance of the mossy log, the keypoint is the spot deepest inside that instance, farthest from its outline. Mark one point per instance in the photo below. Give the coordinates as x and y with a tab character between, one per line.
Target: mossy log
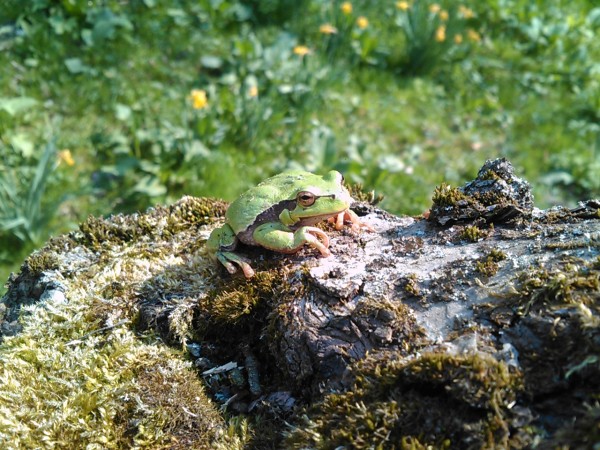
476	325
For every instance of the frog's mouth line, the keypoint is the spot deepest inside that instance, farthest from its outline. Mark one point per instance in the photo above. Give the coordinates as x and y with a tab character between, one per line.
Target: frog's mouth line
313	220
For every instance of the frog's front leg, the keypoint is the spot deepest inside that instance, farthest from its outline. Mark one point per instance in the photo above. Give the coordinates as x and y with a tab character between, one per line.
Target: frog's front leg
276	236
220	246
351	217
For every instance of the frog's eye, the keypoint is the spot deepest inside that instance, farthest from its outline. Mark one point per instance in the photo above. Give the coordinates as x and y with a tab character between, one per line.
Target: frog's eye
306	198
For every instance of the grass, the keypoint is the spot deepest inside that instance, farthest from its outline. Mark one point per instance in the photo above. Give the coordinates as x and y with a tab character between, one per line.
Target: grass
418	94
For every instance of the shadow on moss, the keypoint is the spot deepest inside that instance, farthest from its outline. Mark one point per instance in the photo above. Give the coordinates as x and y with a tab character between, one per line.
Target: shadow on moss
435	400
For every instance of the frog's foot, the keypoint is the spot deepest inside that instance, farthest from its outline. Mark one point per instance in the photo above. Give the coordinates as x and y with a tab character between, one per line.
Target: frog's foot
315	237
349	216
230	259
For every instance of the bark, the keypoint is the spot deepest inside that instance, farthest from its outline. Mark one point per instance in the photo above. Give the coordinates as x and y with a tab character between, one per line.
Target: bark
483	282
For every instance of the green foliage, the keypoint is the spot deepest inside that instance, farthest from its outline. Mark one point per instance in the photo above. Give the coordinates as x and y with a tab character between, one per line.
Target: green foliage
27	207
273	11
21	211
398	96
434	36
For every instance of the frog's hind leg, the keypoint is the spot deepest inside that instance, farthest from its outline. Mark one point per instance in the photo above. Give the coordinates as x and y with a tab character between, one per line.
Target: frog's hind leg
278	237
220	246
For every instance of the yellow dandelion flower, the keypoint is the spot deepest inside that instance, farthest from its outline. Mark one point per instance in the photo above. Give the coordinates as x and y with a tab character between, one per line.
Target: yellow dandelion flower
467	13
434	8
444	15
66	157
253	91
346	8
362	22
301	50
473	35
458	39
402	5
199	99
440	33
327	28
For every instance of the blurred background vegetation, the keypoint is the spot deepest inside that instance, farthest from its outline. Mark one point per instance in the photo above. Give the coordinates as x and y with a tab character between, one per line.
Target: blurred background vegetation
111	106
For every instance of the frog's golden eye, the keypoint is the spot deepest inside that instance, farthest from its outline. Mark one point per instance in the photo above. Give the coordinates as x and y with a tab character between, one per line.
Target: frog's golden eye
306	198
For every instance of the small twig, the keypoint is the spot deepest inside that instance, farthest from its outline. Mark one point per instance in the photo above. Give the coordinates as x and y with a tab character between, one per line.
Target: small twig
224	368
99	330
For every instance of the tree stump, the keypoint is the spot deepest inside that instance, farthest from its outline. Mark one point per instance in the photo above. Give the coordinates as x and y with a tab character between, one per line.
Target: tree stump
474	326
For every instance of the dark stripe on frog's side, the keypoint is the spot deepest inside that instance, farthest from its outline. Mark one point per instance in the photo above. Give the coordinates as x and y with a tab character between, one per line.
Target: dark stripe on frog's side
269	215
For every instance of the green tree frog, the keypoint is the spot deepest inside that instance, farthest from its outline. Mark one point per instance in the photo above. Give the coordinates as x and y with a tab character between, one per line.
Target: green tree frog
279	214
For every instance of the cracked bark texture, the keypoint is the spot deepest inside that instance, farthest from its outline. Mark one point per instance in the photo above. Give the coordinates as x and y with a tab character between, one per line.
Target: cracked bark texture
483	273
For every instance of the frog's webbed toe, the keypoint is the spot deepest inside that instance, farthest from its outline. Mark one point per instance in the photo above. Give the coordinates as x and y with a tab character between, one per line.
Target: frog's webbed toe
349	216
229	261
315	237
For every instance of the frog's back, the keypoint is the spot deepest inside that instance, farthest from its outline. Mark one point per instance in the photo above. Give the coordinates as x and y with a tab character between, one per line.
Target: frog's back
265	201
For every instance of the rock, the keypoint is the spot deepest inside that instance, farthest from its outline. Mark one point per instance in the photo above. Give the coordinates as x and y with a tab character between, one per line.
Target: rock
495	196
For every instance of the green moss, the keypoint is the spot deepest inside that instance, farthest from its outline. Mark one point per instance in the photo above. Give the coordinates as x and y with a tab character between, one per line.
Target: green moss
412	285
497	255
558	344
489	175
446	195
190	421
238	297
77	376
571	282
487	268
98	231
571	244
488	198
41	261
472	233
193	211
466	400
187	214
67	388
359	194
488	265
394	322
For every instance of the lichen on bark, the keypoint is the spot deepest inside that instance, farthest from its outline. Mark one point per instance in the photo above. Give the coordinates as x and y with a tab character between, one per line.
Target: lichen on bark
477	327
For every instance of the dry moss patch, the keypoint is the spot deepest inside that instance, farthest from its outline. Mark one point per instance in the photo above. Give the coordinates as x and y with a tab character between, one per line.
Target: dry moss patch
63	387
570	282
488	265
404	404
551	315
76	374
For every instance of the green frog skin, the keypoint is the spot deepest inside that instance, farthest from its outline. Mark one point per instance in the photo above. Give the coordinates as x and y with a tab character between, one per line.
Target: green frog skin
280	213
